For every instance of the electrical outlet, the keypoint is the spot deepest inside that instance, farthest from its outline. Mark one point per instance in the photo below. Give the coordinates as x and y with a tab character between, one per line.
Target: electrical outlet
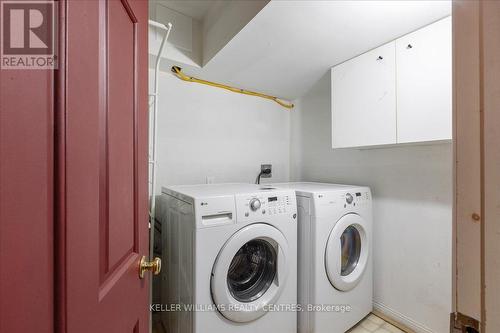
266	167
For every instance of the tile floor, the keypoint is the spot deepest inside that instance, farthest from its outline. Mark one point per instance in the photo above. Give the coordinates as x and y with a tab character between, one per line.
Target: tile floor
371	324
374	324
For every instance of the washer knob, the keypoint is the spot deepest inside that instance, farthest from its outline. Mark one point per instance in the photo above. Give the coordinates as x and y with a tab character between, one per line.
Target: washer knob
349	198
255	204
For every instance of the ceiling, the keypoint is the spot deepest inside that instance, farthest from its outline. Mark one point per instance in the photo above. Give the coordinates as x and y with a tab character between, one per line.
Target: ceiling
193	8
289	45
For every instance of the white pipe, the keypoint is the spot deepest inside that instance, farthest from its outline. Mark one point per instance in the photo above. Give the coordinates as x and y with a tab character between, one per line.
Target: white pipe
153	161
160	25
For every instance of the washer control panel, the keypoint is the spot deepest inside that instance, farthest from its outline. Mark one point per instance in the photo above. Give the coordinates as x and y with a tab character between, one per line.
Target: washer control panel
278	205
262	205
355	198
255	204
349	198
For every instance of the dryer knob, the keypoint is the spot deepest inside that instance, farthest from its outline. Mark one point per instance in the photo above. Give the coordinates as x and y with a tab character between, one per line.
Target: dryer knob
255	204
349	198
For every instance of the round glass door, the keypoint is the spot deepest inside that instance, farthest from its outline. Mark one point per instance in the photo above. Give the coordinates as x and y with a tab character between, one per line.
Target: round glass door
350	244
346	254
252	270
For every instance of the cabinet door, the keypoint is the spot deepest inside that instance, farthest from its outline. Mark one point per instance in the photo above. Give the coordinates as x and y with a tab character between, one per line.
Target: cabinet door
364	99
424	85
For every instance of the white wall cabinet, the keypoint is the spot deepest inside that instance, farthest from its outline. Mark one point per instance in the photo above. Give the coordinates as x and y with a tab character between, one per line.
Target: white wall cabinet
365	99
397	93
424	103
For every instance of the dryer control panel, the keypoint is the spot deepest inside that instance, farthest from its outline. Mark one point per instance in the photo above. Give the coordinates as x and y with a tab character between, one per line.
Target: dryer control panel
348	200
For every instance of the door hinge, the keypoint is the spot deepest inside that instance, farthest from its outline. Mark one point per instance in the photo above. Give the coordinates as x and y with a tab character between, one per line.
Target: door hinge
463	323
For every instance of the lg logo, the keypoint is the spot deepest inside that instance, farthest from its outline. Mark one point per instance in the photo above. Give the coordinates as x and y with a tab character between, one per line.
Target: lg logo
28	34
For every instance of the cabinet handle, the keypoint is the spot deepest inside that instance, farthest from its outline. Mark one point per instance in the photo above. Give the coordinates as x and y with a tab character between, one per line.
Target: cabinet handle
409	46
380	58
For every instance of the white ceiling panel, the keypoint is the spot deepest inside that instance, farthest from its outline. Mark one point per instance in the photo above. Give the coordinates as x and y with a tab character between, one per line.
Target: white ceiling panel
289	45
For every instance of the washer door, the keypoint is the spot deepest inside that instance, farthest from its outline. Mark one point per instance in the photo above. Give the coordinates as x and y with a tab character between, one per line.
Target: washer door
346	253
249	272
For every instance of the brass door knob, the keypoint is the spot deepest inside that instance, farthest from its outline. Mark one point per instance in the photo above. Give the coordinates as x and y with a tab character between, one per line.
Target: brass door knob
153	266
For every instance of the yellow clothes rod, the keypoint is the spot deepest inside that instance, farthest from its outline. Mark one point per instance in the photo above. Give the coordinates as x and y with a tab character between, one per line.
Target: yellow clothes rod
178	72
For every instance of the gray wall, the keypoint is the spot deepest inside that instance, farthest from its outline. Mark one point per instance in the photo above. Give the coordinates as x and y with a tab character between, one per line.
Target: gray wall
209	132
412	190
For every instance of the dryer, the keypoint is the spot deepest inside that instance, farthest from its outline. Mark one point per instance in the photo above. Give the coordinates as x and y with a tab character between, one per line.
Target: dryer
230	259
335	274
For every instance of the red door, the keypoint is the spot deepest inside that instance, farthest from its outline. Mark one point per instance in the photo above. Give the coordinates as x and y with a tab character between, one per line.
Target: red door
102	225
26	200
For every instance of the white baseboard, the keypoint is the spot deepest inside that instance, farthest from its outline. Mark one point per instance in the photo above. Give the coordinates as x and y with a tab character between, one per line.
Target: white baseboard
401	318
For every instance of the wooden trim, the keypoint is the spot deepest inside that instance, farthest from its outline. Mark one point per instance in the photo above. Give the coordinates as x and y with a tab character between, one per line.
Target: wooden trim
490	95
462	322
481	163
103	141
454	173
60	314
136	130
477	109
129	11
467	217
393	322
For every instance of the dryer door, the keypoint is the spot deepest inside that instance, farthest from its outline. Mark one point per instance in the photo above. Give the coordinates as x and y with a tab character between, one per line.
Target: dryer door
347	251
250	272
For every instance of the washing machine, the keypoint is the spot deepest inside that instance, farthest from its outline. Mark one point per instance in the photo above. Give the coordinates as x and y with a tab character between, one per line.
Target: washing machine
335	275
229	257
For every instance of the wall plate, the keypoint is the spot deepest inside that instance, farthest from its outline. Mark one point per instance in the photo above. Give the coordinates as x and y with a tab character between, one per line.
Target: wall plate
264	167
